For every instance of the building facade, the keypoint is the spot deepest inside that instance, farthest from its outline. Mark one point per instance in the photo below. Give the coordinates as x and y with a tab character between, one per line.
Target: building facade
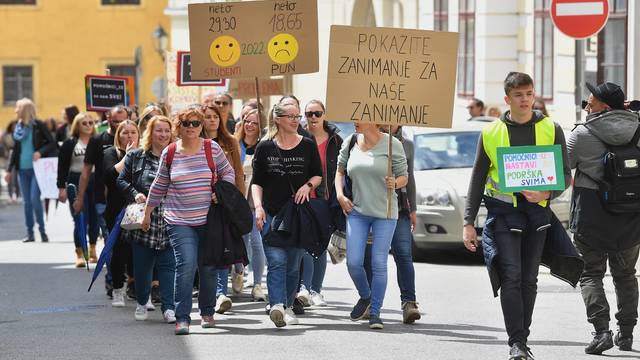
48	46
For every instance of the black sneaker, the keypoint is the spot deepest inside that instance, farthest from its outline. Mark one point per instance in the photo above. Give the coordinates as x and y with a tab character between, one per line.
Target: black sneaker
29	239
297	307
518	352
155	295
361	309
44	237
623	342
131	290
375	322
602	340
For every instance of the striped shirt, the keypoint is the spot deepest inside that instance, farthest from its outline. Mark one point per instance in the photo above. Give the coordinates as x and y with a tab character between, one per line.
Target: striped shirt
187	190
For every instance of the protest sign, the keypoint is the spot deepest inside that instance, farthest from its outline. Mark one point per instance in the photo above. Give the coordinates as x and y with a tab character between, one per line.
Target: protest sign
105	92
184	78
253	38
538	168
46	171
391	76
245	89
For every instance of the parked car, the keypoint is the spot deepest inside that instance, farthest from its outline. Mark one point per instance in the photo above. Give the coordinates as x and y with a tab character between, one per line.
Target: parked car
442	167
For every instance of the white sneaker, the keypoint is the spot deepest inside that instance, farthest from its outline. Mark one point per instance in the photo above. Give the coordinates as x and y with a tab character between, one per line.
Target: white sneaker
169	316
304	296
277	315
290	318
149	306
141	313
118	298
317	299
257	293
223	304
237	281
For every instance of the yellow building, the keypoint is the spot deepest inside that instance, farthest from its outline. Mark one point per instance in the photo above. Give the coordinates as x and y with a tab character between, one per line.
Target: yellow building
48	46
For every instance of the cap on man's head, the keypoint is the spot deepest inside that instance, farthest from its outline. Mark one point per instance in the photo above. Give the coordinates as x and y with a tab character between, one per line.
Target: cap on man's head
609	93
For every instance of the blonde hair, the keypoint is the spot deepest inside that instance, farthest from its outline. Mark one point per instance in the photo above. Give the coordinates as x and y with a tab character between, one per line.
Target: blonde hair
278	110
75	125
240	134
147	136
116	141
28	109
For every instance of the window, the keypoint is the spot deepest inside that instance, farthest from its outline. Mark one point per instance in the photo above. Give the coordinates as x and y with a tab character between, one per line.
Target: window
122	70
17	2
441	15
612	46
466	52
17	83
120	2
543	50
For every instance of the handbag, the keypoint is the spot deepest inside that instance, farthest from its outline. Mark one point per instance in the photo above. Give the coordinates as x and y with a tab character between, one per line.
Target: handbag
133	217
337	248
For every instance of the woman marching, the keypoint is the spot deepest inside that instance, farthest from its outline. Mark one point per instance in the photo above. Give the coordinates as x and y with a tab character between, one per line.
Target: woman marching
70	164
329	144
150	248
283	163
366	166
212	130
184	186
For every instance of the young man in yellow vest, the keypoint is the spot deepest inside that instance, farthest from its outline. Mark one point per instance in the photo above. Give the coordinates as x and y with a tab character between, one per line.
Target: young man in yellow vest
516	229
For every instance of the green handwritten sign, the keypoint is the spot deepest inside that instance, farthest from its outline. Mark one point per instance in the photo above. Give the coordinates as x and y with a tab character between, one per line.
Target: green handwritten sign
538	168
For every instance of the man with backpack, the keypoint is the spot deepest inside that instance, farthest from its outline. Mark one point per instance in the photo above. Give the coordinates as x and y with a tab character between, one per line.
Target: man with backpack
605	211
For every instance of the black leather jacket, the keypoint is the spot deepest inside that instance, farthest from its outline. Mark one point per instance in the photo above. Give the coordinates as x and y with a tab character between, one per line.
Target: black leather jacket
140	169
43	142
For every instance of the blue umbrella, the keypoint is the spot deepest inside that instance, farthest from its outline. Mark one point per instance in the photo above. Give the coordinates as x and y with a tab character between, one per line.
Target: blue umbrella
105	255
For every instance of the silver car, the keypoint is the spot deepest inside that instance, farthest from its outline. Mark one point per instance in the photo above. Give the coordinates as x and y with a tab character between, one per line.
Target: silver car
442	167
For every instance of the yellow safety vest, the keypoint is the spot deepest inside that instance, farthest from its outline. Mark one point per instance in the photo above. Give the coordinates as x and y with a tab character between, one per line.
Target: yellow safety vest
496	135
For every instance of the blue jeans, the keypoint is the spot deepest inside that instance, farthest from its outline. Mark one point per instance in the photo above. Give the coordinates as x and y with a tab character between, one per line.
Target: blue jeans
401	251
144	260
89	212
185	241
358	227
283	270
255	252
313	271
32	202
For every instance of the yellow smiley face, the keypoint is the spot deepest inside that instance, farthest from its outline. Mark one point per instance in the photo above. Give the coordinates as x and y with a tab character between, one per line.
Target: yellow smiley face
283	48
224	50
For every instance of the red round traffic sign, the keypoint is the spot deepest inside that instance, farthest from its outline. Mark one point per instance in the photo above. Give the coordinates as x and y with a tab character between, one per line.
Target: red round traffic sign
579	19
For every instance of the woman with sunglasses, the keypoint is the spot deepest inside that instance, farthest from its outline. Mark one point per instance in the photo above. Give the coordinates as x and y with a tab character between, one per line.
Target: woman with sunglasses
126	139
150	248
224	102
148	112
249	135
283	163
70	164
329	144
184	188
212	130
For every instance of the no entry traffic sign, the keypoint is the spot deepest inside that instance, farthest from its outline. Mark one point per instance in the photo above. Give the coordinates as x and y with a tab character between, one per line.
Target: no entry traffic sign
579	19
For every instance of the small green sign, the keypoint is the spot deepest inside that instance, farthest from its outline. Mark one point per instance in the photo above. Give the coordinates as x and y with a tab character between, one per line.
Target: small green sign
538	168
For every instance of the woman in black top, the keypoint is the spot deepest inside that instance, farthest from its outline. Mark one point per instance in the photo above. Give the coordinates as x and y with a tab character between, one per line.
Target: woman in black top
70	164
149	247
126	139
283	161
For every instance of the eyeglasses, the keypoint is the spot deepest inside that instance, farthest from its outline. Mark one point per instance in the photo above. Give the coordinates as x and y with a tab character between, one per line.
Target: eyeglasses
191	123
292	117
317	114
221	103
252	123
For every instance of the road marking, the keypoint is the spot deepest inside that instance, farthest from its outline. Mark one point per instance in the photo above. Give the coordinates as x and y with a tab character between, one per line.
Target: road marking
579	9
52	310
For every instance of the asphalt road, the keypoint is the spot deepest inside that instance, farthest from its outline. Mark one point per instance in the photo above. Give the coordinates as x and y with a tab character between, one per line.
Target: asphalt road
47	313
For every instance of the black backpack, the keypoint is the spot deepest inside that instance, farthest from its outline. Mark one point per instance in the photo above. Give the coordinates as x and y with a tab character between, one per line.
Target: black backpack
620	188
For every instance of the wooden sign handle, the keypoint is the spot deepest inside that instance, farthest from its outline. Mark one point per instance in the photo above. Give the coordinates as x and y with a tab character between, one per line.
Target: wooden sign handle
389	173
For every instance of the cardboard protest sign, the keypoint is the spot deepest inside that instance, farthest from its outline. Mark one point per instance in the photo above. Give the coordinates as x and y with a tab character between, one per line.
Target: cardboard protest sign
391	76
184	78
253	38
105	92
537	168
46	171
246	88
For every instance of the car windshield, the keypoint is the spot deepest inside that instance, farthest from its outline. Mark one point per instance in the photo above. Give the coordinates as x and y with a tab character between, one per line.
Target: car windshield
445	150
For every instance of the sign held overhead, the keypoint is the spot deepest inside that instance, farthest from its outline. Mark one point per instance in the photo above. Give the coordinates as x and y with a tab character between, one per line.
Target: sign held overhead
105	92
184	77
391	76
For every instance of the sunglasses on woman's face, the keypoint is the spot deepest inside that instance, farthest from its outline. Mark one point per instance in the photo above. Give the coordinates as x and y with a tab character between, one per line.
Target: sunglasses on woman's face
191	123
317	114
221	103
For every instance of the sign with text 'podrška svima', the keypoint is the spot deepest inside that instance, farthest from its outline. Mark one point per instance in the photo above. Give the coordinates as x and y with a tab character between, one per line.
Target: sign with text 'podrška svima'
538	168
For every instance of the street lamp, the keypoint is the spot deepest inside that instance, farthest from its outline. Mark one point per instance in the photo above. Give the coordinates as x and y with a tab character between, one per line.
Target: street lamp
161	37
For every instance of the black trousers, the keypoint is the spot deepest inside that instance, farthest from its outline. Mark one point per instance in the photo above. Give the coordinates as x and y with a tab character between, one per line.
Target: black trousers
518	261
121	260
623	271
